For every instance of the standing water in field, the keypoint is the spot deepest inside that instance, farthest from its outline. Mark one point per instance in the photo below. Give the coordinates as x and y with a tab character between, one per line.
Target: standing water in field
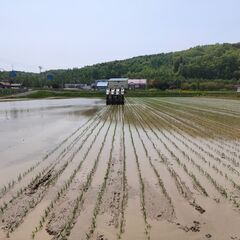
155	168
30	129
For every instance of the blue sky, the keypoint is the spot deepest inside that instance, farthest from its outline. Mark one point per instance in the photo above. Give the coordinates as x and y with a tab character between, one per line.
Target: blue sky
73	33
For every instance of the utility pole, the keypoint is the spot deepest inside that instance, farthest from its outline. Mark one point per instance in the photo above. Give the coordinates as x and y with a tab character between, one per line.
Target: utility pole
40	71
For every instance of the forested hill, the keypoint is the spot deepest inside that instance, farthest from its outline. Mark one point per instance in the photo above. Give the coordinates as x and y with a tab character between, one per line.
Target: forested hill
211	64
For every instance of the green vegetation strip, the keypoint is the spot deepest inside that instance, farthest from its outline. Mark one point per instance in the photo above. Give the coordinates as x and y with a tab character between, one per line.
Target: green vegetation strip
131	93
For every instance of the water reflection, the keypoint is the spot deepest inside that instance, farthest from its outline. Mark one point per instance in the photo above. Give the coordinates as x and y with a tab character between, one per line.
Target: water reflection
42	108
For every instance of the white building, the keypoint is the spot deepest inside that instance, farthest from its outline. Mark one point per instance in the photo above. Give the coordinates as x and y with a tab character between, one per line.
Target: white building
118	83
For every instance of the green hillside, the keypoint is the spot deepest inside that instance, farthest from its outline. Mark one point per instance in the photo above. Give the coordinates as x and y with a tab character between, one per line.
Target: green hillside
209	67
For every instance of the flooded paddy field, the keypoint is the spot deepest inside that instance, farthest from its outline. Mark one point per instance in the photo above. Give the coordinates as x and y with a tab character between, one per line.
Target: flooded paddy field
155	168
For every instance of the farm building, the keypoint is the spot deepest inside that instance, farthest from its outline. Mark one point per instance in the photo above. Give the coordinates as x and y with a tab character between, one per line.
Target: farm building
5	85
10	85
16	85
118	82
101	84
137	83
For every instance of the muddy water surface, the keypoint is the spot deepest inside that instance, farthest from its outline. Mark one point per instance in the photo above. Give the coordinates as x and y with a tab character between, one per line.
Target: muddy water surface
155	168
30	129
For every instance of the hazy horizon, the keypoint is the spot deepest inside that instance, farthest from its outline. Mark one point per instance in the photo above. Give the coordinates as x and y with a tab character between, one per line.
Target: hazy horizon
66	34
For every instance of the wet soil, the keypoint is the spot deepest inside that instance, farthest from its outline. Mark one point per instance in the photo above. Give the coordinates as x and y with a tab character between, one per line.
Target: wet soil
155	168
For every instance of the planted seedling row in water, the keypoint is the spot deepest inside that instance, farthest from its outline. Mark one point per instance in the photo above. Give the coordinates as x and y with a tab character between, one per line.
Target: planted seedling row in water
66	186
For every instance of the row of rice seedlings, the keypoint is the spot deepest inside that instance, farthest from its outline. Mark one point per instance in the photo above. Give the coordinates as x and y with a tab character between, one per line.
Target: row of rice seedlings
65	232
230	146
124	181
23	189
148	156
76	140
185	139
178	182
12	183
102	190
72	156
203	150
142	186
221	106
32	202
189	121
189	159
234	184
67	184
222	190
220	153
202	157
219	188
168	112
41	195
203	107
211	155
174	157
214	129
174	175
68	149
202	120
171	170
222	147
160	181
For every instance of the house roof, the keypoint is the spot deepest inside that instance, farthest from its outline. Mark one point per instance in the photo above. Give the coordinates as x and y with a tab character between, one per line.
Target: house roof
5	83
137	81
118	79
102	84
16	85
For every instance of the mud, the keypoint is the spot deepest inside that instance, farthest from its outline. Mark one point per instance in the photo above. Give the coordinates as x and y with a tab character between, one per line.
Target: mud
156	168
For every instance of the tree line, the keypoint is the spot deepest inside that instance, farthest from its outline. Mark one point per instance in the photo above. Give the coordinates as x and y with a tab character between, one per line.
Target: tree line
209	67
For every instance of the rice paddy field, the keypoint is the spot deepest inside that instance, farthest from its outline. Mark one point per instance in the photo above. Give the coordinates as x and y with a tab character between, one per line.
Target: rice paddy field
155	168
